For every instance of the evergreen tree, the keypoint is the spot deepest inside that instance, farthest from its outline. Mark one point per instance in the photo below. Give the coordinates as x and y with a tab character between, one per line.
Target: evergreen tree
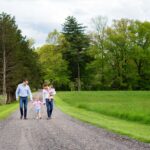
75	52
18	60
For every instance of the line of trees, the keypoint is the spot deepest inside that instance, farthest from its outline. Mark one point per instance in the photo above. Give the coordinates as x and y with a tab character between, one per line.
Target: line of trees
17	58
115	57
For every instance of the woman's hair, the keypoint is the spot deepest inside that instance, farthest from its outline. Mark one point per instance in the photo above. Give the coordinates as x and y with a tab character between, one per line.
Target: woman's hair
45	84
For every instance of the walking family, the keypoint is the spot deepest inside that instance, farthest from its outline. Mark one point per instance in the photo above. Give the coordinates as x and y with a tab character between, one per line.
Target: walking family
23	92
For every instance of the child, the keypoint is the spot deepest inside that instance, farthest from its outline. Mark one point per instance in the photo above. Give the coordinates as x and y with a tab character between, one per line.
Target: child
37	104
52	92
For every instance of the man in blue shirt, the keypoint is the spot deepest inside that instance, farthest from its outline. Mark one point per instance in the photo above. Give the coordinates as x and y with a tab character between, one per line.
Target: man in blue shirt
22	92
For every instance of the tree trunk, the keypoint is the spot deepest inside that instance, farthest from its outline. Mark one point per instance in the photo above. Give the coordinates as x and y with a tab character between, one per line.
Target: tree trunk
4	62
10	97
79	80
102	69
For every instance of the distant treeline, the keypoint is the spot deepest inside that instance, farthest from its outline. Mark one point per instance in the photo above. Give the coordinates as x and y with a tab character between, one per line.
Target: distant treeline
115	57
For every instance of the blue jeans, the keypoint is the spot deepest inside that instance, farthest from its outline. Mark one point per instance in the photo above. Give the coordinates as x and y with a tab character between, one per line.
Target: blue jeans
49	105
23	102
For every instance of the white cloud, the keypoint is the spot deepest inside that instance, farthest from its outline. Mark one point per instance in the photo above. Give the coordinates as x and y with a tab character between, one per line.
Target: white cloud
37	17
38	36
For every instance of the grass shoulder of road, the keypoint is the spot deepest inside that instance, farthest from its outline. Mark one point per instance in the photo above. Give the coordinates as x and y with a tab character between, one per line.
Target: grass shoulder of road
7	110
126	105
134	130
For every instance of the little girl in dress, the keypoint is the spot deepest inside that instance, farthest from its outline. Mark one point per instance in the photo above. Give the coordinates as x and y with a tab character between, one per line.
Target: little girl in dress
37	104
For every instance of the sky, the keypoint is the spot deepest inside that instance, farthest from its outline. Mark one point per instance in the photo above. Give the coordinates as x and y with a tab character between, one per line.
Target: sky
36	18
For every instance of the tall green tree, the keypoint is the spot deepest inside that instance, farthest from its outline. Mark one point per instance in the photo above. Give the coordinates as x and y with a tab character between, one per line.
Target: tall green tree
126	56
98	50
9	47
15	55
54	68
75	51
119	47
140	53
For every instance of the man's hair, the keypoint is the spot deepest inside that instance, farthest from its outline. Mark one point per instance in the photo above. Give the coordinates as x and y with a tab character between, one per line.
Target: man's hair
25	80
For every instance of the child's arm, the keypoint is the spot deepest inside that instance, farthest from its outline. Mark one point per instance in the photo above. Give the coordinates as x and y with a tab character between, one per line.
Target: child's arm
42	103
53	92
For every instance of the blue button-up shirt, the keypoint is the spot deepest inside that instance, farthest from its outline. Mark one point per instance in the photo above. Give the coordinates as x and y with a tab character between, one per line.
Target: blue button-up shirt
23	91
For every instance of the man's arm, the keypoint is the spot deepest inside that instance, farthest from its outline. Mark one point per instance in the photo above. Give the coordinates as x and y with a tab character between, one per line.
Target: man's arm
30	94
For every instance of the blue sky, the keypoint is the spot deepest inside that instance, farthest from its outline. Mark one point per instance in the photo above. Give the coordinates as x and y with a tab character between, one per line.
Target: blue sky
36	18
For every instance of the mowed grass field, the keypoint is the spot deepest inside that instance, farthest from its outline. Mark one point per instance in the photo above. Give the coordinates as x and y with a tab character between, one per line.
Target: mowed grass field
125	112
6	110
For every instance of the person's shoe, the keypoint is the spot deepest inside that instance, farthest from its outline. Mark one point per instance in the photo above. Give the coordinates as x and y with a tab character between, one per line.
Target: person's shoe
25	118
48	118
21	117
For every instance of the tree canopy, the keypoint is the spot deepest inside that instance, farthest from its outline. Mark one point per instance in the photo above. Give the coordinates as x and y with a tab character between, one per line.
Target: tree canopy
114	57
15	55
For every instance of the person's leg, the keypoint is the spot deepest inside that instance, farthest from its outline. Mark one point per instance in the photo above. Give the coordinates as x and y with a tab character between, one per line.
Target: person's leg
51	107
48	108
21	107
39	114
36	111
25	107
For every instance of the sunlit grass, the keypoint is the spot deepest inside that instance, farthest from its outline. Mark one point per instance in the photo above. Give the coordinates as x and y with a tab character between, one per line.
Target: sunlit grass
121	112
6	110
133	106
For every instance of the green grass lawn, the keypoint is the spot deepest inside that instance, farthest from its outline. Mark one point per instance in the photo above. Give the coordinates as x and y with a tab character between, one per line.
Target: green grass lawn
6	110
125	112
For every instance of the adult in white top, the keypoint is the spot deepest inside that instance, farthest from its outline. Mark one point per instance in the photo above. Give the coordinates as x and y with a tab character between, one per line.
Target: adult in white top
23	92
48	98
45	93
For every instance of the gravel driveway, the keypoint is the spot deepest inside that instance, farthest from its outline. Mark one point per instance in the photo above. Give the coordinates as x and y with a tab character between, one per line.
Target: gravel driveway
60	133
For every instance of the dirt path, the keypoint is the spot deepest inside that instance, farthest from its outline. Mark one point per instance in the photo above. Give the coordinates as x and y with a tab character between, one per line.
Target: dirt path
60	133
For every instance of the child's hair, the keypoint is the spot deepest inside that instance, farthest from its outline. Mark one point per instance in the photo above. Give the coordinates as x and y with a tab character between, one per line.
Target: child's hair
51	85
36	97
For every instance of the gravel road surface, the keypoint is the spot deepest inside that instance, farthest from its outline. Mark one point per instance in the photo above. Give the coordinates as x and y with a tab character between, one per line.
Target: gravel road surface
62	132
